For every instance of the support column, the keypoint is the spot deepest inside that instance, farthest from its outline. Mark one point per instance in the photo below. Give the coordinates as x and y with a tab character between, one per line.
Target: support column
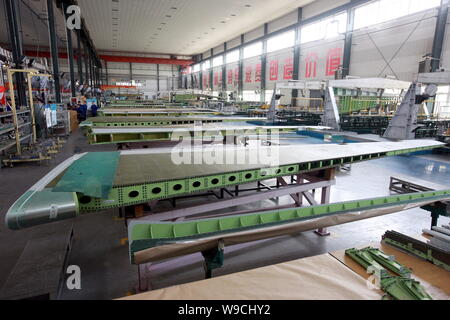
91	75
17	49
106	73
264	65
172	78
296	60
157	78
241	70
211	72
348	42
439	35
54	49
80	58
86	64
131	71
224	71
91	68
70	54
330	174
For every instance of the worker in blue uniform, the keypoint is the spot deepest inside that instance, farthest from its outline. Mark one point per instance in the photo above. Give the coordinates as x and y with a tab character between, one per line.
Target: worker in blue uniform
82	112
94	110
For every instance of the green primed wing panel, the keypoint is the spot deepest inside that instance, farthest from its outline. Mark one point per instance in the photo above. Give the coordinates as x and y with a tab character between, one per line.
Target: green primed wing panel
92	175
145	235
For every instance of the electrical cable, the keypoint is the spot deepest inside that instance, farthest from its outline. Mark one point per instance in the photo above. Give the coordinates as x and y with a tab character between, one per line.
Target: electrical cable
403	44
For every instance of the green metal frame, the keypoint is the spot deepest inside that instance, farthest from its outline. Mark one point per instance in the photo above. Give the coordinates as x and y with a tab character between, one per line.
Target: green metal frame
129	122
428	256
400	287
145	235
112	113
110	138
413	246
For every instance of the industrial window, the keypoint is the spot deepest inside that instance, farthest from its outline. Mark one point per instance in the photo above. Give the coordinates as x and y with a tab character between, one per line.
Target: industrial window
251	96
217	62
281	41
233	56
324	29
253	50
206	65
442	108
385	10
197	67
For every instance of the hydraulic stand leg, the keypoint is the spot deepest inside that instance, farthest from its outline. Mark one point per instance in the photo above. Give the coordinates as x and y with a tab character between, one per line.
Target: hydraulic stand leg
326	194
143	279
436	209
213	259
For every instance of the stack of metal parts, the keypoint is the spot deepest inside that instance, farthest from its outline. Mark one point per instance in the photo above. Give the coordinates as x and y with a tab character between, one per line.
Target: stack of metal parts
36	153
441	238
398	287
418	248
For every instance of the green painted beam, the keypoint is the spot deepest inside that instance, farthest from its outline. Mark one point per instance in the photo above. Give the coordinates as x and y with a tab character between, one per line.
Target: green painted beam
149	113
98	136
146	235
129	122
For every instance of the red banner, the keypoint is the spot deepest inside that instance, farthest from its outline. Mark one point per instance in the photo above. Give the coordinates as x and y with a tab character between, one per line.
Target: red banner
311	65
258	73
288	69
248	74
206	81
230	76
273	70
333	61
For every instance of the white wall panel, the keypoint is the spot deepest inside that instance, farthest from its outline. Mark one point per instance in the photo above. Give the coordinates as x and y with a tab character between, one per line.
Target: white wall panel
206	54
283	22
319	59
234	42
321	6
254	34
279	67
390	38
252	73
218	49
446	48
217	79
232	77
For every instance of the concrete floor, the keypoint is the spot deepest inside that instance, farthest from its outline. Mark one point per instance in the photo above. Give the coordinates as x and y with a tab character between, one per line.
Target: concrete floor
104	261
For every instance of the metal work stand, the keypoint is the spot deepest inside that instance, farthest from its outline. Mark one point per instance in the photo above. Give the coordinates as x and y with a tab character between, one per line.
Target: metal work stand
300	187
436	209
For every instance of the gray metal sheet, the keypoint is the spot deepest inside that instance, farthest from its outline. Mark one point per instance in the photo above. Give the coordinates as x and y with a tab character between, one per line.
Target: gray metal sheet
156	119
136	168
181	129
153	111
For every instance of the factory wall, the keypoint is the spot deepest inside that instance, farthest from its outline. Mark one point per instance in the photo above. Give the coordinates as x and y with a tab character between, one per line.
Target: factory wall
402	43
145	76
252	79
392	48
446	48
279	67
232	70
